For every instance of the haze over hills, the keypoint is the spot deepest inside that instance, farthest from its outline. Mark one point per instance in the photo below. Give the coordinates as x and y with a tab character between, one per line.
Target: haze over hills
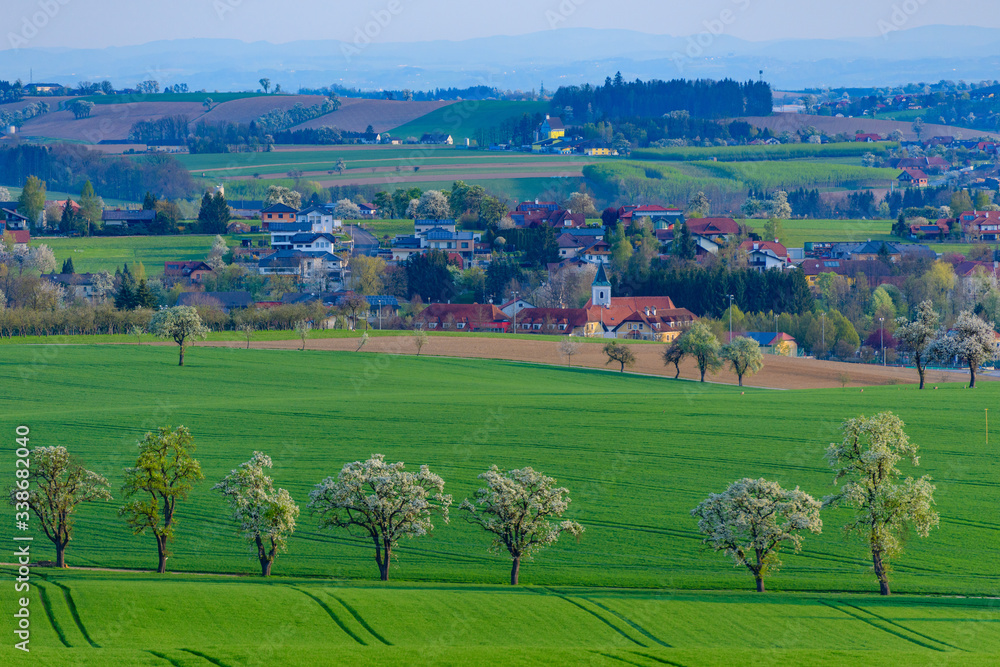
557	57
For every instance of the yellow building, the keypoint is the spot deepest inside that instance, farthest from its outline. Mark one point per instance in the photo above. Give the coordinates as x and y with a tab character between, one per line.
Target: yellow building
551	128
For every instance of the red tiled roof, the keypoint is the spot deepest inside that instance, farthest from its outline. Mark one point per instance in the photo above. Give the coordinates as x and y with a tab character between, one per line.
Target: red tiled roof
775	247
21	235
913	173
709	226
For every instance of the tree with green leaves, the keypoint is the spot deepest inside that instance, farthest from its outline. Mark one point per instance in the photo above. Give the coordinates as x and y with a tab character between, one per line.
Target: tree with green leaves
683	245
753	518
384	501
31	203
266	517
622	354
744	356
884	505
181	323
149	202
55	485
67	266
916	336
164	473
521	509
265	83
91	206
213	216
699	342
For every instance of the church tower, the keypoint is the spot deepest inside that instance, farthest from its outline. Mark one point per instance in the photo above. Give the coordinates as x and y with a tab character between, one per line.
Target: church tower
600	291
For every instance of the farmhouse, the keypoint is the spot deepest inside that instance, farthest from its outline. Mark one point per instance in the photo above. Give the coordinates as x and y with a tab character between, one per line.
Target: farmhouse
553	321
550	128
124	218
462	317
245	208
771	342
437	138
661	216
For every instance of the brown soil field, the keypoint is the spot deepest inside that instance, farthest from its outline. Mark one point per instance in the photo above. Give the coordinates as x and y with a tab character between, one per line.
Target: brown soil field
382	115
113	121
793	122
106	121
778	372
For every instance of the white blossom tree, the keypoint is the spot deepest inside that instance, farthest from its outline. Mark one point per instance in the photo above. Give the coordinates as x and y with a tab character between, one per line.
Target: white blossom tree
971	340
104	285
219	249
744	356
43	259
382	500
266	517
753	519
917	336
181	323
345	209
521	508
433	205
884	506
56	484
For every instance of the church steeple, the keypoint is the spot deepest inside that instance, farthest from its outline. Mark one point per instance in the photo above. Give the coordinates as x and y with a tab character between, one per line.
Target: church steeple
600	290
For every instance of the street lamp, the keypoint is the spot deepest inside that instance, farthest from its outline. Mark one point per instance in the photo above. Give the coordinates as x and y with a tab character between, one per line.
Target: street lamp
881	337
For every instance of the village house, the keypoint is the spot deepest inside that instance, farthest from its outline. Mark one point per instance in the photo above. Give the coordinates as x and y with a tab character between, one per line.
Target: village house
77	285
552	321
765	255
277	213
190	272
710	233
981	225
323	269
772	342
661	216
319	219
911	177
245	208
437	138
225	301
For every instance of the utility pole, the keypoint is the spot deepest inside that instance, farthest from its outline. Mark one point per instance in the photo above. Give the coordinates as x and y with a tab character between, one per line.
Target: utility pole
730	317
881	337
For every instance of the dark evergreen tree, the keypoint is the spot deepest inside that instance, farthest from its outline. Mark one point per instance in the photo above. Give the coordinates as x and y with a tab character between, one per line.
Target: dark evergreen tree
67	266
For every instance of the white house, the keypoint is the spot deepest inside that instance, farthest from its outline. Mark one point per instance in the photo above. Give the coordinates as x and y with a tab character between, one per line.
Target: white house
319	219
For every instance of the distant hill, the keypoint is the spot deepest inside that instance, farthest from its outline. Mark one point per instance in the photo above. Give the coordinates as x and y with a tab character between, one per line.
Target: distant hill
565	56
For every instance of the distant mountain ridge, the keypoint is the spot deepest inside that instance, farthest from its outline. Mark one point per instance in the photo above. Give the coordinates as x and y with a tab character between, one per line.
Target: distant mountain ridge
556	57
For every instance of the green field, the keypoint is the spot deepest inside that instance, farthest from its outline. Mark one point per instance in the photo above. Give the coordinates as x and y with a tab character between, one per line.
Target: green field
745	153
797	232
107	253
772	175
462	119
637	453
131	619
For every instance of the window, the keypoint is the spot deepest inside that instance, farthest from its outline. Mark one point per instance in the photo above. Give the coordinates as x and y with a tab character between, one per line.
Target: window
602	295
562	327
460	325
432	325
537	326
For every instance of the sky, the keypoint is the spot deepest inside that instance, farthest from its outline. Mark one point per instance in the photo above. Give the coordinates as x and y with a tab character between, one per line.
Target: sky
103	23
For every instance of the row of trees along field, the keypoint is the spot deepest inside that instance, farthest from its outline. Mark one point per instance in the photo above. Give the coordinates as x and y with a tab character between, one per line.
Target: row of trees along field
66	167
521	509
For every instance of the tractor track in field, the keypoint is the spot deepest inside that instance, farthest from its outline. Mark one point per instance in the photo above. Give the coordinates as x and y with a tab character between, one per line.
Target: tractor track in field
332	615
214	661
878	626
68	595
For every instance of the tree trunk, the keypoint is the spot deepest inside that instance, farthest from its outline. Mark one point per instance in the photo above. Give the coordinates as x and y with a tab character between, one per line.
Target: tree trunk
60	554
883	576
161	549
678	373
972	376
383	568
515	569
741	379
265	567
760	583
181	360
702	369
920	372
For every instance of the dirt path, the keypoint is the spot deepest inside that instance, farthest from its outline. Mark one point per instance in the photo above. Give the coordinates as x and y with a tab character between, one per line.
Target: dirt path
778	372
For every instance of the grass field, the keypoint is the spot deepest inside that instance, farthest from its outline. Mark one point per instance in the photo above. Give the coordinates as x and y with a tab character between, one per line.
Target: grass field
130	619
636	452
772	175
746	153
797	232
462	119
106	253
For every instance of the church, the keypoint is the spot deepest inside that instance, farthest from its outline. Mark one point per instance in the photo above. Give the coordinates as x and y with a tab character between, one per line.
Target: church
633	317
